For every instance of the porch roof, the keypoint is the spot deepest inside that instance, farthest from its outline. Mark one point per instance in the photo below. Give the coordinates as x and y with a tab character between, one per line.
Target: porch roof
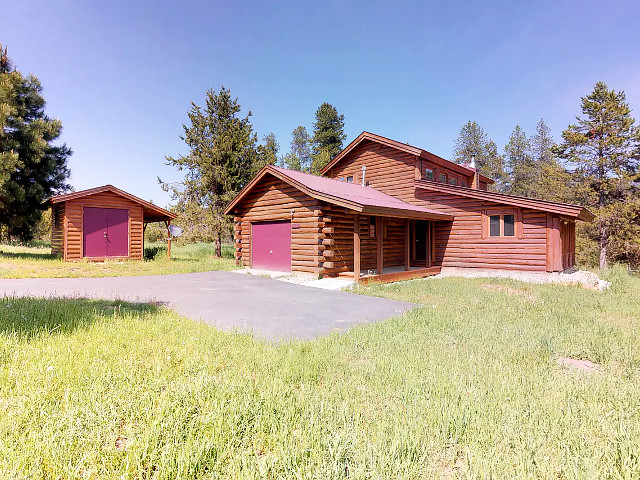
366	200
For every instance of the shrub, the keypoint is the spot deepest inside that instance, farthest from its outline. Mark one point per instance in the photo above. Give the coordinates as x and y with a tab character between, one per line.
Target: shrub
150	253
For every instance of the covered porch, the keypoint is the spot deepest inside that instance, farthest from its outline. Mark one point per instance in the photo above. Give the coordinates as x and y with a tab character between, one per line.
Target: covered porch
381	248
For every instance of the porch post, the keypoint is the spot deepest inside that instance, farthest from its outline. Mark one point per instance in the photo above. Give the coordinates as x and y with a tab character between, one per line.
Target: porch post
168	223
407	245
356	247
379	246
429	243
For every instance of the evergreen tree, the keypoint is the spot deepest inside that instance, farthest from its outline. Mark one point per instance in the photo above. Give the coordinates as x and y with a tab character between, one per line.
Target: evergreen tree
604	148
267	153
299	158
328	135
32	169
222	158
522	169
474	142
553	182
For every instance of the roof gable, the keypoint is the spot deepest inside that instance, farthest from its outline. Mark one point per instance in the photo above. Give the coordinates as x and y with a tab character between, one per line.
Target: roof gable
403	147
151	211
354	197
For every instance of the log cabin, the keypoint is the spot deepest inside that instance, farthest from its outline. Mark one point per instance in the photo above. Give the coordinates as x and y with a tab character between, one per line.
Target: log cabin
102	223
387	210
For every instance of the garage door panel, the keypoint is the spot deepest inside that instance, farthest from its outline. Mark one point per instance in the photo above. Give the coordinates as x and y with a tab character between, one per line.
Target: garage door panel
271	246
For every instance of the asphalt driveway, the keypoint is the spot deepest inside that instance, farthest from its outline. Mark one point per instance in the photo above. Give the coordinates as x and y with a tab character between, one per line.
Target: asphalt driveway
268	308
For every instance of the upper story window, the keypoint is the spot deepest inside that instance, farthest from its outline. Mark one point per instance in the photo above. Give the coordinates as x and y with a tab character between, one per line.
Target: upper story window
463	183
443	178
453	181
428	174
350	179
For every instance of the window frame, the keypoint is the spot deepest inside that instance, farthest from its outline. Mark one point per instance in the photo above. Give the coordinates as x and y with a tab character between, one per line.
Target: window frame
443	175
453	181
517	224
352	177
433	174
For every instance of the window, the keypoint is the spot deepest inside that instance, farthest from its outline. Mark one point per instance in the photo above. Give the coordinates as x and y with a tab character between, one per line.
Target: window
350	179
505	223
463	183
372	227
453	181
428	174
341	179
56	217
443	178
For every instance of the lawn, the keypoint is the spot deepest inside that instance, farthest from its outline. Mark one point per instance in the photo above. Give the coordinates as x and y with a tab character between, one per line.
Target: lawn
465	386
35	262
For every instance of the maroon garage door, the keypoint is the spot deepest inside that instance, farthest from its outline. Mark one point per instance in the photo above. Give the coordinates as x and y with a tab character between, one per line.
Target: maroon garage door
105	232
271	246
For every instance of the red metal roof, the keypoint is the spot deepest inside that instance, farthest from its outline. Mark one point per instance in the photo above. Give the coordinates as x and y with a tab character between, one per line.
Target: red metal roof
349	195
151	212
405	147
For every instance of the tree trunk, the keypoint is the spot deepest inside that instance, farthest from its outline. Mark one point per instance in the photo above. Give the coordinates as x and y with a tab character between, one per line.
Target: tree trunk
218	251
602	243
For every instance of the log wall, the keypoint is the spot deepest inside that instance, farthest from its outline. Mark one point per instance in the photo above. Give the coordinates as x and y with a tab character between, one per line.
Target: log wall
271	200
73	222
57	229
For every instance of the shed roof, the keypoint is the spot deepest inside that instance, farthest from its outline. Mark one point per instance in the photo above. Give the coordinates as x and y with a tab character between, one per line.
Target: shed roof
151	212
366	200
565	209
405	147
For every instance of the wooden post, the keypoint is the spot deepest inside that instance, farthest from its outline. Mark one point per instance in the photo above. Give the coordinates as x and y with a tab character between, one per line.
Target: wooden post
168	223
428	242
379	245
407	245
356	247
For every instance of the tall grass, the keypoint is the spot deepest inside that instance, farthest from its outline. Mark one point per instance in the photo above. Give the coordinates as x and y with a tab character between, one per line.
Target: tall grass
465	386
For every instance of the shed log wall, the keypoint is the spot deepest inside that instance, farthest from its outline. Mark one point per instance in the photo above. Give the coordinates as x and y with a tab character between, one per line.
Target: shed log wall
272	200
57	230
74	221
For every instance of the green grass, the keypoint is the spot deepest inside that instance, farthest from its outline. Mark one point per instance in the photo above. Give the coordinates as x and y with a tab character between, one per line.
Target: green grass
466	386
34	262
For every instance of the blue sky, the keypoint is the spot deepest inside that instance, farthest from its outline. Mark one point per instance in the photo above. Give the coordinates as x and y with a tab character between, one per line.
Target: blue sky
121	74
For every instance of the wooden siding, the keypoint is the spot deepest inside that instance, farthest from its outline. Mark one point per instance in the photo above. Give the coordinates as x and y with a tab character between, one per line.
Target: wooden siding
389	170
57	229
273	199
339	247
74	222
460	243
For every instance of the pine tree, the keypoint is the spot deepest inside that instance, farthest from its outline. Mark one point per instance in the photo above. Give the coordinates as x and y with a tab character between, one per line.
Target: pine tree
328	135
299	158
32	169
221	160
267	153
604	148
472	141
522	169
553	182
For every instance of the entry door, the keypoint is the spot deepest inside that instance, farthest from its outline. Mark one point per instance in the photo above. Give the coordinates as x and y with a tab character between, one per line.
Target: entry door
421	244
105	232
271	246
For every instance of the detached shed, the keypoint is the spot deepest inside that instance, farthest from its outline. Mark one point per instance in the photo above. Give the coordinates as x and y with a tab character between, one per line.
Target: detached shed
100	223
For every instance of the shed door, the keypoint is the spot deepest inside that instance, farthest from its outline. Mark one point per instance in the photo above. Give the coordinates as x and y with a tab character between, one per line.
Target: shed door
105	232
271	246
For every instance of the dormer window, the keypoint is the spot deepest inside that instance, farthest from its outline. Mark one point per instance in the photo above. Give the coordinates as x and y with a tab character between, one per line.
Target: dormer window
453	181
443	178
428	174
350	179
463	183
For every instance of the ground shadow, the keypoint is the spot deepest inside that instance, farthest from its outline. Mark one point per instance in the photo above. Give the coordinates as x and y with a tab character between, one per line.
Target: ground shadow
27	256
26	317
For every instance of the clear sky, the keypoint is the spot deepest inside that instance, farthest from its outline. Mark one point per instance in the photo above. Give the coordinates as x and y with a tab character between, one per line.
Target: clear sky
121	74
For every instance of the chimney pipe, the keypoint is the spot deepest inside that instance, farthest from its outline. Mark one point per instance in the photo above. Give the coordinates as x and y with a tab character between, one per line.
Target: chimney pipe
475	182
364	171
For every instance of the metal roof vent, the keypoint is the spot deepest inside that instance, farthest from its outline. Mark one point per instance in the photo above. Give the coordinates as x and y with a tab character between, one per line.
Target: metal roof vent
364	171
